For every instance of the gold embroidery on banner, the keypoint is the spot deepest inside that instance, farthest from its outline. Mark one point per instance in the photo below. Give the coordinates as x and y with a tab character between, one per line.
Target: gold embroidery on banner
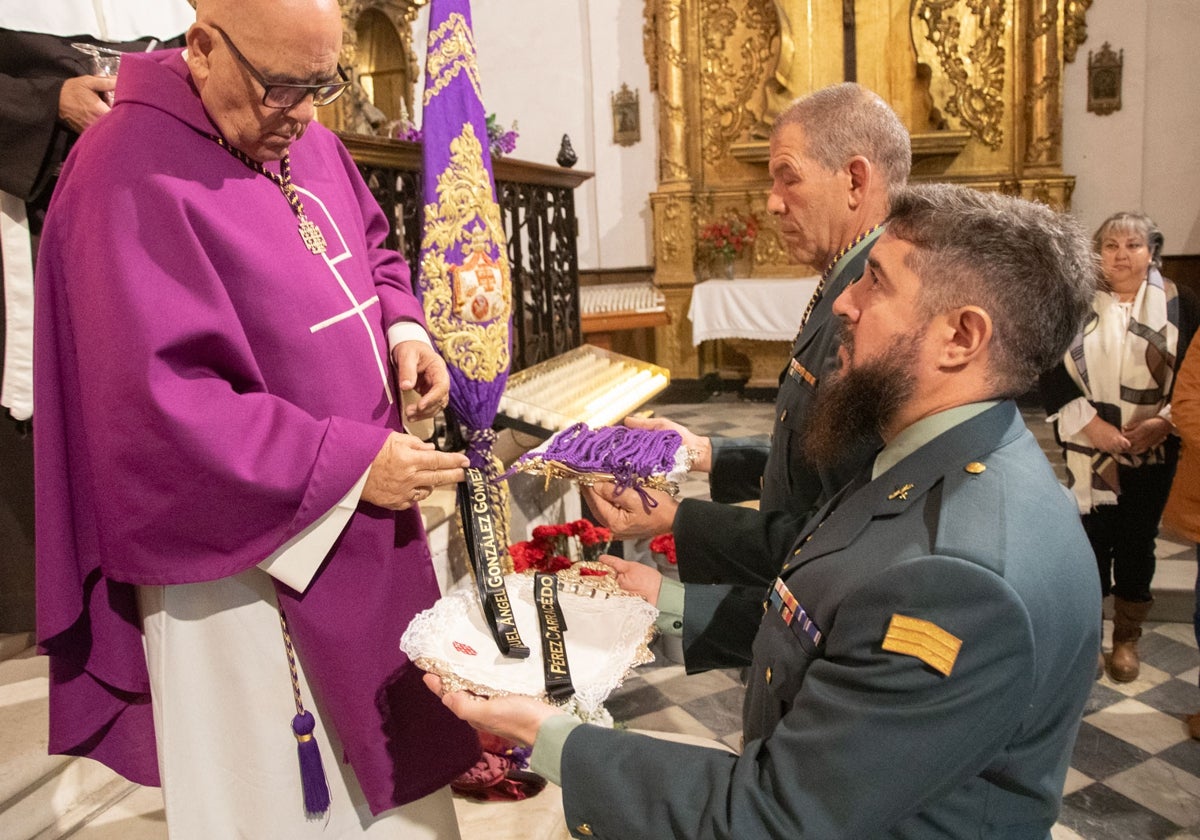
465	212
455	54
923	640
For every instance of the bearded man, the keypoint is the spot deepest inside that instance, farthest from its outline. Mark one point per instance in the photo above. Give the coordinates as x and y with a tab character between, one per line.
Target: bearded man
921	663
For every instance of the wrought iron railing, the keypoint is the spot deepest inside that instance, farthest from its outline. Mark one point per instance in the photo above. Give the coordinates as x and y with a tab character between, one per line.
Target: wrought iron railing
537	204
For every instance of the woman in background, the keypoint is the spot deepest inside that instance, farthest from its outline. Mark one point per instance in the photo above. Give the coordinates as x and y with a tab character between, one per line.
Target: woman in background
1182	513
1110	400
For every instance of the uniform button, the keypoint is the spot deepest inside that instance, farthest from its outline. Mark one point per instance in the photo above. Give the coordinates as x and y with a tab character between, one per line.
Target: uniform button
584	829
678	625
788	565
766	605
975	468
768	675
783	415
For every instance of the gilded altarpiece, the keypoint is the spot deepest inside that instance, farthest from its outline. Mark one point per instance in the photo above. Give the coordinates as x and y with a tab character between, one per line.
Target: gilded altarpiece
977	82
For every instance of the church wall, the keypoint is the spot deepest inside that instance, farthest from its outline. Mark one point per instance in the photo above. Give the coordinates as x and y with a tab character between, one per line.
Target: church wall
1172	127
625	175
1141	156
1144	155
552	67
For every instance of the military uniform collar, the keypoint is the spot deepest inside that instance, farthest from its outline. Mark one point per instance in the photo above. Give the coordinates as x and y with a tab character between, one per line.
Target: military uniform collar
856	250
924	430
962	445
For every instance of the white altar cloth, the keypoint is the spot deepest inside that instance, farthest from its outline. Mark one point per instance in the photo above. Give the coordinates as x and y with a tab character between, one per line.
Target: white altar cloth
768	309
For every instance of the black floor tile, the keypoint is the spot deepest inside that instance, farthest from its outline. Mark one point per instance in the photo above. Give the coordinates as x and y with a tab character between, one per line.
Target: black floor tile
634	701
1100	813
1174	697
1185	756
1166	654
1102	697
1099	755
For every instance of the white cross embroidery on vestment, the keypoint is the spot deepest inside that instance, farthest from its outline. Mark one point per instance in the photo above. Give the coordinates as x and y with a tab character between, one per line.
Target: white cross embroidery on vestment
335	254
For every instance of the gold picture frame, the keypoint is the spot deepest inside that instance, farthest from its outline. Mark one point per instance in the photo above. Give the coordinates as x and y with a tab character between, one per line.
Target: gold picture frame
627	118
1104	80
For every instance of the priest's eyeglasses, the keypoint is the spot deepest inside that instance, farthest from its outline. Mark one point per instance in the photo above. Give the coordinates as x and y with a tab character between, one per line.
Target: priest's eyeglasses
284	96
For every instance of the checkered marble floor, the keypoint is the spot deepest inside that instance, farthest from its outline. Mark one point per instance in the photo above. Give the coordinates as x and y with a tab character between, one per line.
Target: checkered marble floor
1135	773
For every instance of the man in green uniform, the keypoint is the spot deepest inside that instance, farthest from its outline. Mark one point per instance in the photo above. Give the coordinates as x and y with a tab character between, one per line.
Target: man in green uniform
921	663
835	157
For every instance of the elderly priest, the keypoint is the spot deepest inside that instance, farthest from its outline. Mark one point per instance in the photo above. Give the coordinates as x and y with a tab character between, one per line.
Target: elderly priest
227	537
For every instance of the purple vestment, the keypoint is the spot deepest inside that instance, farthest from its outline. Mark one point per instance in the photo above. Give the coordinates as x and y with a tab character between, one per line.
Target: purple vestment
207	388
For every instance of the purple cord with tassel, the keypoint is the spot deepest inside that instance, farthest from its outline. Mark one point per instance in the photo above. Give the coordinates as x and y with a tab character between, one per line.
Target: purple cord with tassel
629	455
312	772
313	783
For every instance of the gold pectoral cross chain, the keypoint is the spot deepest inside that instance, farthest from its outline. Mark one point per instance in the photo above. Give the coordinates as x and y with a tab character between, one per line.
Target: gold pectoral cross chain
314	240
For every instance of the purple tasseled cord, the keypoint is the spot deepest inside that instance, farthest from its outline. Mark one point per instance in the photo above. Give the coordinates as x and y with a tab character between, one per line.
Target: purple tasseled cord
479	447
626	454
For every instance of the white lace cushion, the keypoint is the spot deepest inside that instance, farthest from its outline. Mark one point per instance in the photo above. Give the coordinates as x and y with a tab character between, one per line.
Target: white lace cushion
605	638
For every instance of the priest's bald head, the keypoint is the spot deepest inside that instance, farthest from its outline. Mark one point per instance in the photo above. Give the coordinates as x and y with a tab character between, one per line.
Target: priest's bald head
262	67
837	155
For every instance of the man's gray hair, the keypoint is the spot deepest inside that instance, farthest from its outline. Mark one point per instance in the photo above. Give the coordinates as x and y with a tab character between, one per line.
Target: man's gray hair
842	121
1030	268
1130	222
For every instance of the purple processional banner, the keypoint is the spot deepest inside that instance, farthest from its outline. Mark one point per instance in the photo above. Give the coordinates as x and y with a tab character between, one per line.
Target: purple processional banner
463	277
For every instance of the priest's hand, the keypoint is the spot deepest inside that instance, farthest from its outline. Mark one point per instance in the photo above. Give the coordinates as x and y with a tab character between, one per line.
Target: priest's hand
627	514
700	448
513	716
419	368
81	101
635	578
407	469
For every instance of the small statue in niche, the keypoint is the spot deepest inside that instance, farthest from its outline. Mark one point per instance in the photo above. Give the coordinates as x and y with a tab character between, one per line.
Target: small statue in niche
362	115
566	153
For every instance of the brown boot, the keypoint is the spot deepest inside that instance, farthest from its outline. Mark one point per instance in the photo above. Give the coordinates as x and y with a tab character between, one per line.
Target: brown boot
1123	665
1193	725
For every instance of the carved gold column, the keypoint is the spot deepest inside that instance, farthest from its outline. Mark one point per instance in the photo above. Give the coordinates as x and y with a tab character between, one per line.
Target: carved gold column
1041	175
670	46
977	82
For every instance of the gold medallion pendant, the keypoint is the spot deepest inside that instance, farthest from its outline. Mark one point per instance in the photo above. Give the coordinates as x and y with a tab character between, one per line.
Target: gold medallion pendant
314	240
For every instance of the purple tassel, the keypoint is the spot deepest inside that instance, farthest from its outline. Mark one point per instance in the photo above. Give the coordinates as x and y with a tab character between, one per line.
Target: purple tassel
312	774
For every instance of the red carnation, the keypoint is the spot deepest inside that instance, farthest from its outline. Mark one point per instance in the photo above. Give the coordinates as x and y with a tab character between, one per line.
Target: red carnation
525	556
664	544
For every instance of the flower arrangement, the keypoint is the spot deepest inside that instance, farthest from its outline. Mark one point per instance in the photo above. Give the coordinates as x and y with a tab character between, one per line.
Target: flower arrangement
664	544
550	549
501	141
407	131
728	238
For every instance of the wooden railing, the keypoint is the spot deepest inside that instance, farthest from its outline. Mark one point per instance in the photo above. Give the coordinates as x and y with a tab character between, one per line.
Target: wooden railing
537	204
